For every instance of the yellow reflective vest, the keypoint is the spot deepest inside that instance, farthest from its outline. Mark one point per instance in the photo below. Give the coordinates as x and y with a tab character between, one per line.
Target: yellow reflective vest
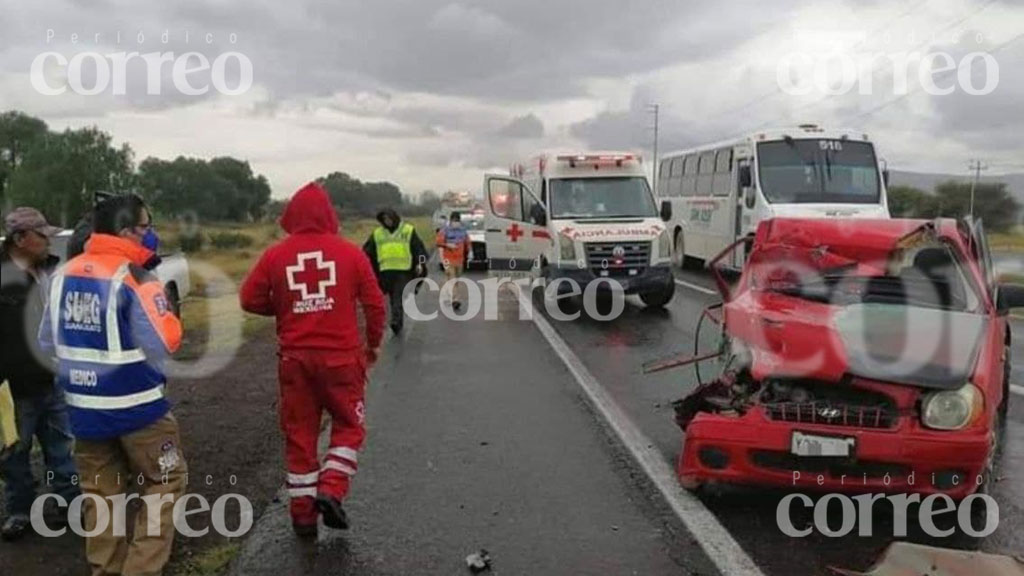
394	250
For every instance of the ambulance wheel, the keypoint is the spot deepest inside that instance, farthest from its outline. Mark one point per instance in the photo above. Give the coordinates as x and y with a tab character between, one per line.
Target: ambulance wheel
660	298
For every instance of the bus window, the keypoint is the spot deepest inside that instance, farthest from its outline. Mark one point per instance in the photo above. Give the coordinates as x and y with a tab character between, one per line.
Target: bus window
676	175
690	176
722	184
664	173
706	173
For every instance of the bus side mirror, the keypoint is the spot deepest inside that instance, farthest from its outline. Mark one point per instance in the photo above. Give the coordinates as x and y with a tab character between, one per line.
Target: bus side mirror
885	177
666	210
1010	296
746	179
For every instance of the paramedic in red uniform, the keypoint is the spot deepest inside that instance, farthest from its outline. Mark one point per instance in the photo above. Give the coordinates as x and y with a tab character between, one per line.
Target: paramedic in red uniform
311	282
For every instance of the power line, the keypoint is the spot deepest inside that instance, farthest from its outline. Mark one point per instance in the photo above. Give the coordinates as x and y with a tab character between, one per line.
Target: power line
827	97
773	93
977	167
918	86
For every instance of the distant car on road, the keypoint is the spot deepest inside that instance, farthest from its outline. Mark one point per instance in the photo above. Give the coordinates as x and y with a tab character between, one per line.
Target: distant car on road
856	356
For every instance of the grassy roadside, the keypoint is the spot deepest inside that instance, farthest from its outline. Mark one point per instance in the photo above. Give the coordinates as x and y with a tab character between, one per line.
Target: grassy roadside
1012	242
211	313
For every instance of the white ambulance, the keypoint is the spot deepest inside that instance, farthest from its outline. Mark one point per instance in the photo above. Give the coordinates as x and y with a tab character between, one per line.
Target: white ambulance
584	217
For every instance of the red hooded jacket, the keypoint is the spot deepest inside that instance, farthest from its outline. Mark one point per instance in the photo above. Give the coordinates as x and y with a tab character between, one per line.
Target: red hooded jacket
312	280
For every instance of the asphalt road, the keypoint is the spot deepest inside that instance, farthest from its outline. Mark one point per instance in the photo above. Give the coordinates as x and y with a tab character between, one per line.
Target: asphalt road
481	438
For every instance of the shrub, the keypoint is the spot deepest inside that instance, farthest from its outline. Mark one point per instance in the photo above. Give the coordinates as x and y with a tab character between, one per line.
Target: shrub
230	240
191	242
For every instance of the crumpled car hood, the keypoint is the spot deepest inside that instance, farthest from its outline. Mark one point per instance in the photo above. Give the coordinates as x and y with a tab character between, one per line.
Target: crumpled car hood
790	337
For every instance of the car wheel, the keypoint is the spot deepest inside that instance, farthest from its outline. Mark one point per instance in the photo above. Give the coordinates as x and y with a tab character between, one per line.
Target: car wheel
660	298
173	299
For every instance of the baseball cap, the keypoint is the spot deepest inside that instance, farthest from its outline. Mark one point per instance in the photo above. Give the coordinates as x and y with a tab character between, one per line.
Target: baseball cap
28	219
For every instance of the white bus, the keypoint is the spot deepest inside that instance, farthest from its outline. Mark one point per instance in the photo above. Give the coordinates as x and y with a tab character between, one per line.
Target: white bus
720	192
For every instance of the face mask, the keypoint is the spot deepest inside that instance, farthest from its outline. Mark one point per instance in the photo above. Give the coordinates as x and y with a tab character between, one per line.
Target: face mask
150	240
456	225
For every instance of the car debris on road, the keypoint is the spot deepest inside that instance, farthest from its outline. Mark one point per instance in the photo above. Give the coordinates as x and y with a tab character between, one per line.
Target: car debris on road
478	562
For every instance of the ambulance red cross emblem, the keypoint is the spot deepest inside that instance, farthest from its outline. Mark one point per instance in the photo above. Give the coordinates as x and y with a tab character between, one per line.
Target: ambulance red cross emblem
514	233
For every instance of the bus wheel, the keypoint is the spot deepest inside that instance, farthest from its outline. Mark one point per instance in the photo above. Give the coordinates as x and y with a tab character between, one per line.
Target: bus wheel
679	257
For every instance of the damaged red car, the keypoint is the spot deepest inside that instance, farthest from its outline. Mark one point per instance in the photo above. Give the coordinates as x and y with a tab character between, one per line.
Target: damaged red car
854	356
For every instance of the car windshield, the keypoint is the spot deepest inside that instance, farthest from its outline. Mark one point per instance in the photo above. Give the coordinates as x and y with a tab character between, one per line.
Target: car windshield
818	171
928	277
582	198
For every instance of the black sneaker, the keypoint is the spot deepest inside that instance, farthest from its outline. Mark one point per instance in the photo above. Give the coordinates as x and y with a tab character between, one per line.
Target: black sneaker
334	514
305	530
15	527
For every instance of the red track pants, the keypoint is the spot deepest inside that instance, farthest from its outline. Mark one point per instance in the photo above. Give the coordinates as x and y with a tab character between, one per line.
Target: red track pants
312	382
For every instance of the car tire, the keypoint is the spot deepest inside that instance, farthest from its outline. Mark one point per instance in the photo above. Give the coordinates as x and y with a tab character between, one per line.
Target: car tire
660	298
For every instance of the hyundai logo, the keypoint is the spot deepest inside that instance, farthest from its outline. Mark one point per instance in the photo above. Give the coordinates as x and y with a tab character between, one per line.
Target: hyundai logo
618	252
829	413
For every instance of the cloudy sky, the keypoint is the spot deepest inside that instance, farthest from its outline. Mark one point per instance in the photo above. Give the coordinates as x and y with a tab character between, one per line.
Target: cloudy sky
432	93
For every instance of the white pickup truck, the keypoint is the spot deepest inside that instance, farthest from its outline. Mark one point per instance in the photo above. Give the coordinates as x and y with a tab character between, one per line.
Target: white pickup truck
172	271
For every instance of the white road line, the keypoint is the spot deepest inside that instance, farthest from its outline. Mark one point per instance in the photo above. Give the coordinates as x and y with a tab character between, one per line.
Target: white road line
696	287
716	541
1018	390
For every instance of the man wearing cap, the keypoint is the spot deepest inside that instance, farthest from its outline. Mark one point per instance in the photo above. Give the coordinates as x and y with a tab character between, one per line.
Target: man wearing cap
40	412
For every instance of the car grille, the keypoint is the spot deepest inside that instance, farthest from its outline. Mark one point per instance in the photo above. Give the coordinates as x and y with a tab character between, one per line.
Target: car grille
837	405
834	467
603	262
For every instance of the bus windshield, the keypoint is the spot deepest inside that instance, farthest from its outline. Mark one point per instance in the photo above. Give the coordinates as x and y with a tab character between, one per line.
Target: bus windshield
818	171
580	198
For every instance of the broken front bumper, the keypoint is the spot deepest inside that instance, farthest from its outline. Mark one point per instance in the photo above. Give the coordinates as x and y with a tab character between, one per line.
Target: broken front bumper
751	449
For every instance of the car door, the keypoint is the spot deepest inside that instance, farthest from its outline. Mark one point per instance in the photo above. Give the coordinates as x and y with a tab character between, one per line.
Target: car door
516	223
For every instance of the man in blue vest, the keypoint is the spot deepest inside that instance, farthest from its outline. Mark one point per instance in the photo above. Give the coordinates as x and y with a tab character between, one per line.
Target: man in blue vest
398	257
110	326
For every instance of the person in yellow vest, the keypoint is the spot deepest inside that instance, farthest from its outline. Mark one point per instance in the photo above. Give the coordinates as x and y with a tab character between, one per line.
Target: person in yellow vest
398	257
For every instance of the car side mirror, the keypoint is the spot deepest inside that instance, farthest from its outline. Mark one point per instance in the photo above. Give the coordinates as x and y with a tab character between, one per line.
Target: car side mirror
746	177
666	210
1010	296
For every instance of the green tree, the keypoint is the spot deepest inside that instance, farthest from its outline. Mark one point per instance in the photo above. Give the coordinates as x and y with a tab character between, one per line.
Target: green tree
993	203
18	132
60	172
910	202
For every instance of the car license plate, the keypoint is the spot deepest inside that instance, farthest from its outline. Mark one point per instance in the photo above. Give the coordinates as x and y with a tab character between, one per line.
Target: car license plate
811	445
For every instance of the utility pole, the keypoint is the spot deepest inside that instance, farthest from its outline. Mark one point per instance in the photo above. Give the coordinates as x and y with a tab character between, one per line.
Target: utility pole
655	109
977	167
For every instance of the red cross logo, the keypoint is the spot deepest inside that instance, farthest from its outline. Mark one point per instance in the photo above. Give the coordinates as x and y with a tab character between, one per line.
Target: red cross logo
514	233
304	280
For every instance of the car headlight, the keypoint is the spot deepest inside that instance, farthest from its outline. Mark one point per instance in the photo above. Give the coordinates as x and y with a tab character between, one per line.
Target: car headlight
664	245
566	248
953	409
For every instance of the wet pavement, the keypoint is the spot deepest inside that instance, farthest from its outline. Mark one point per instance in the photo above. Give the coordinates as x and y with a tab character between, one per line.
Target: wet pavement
480	438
